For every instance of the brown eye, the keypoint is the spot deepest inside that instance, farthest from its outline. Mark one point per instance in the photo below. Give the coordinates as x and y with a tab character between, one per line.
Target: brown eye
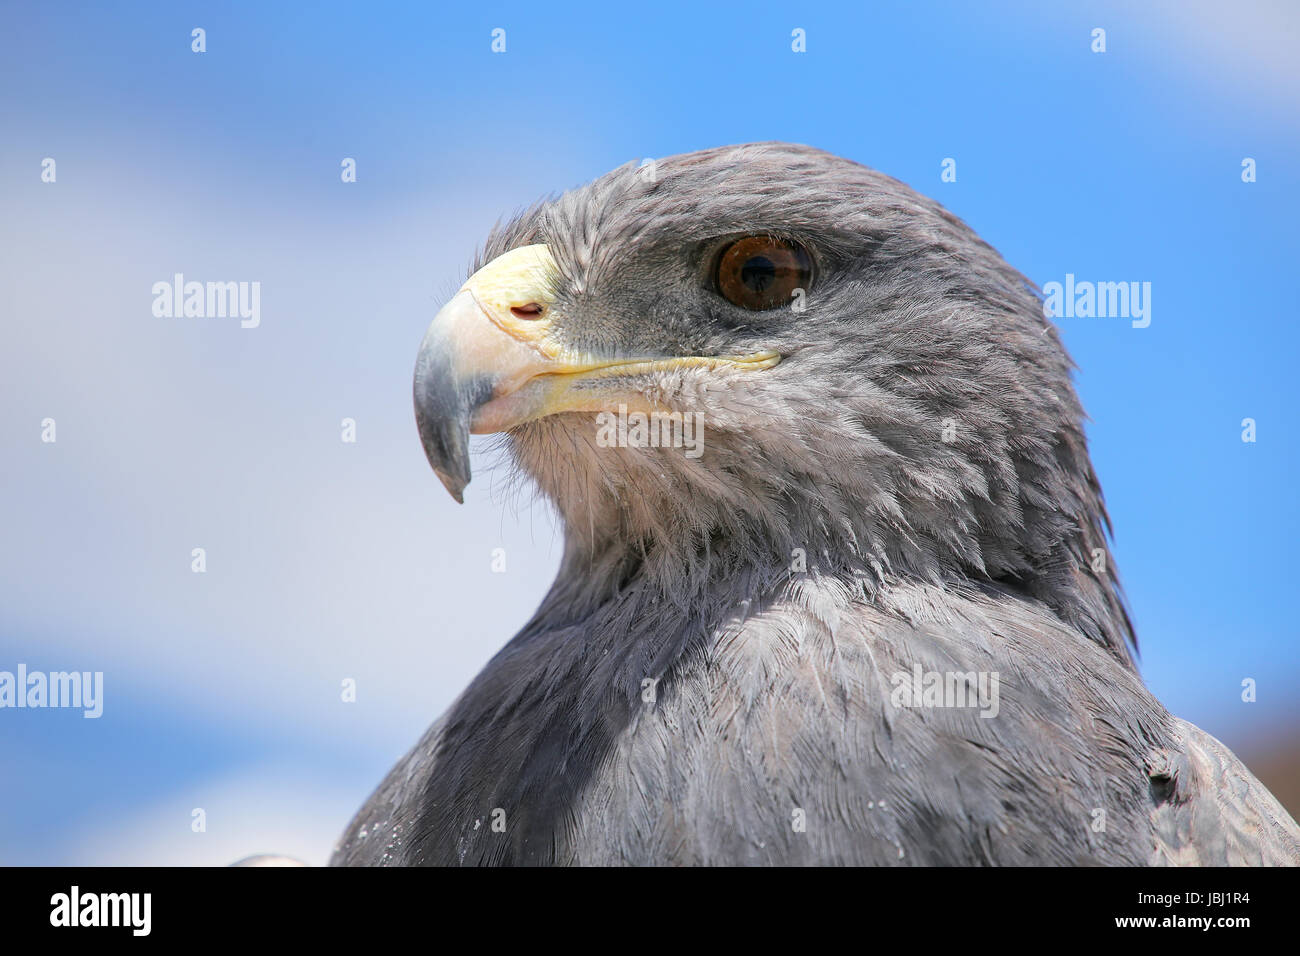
760	272
530	311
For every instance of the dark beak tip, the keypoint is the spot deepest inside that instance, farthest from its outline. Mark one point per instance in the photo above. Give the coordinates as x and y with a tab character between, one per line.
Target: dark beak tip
454	484
445	400
442	415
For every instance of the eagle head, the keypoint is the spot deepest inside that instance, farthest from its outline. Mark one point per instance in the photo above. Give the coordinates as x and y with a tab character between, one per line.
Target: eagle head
726	364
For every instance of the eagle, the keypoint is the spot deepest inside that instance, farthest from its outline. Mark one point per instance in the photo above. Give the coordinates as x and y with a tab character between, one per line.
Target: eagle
835	586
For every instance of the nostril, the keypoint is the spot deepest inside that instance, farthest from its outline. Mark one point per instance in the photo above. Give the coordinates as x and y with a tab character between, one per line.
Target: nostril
530	311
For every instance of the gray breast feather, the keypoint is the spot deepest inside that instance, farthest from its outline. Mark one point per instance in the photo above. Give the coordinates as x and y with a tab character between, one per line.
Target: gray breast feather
784	739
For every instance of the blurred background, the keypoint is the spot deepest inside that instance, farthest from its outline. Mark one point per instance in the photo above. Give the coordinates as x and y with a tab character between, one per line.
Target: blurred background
329	561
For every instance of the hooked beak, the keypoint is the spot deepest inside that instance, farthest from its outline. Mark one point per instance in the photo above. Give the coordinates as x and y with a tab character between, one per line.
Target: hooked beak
491	360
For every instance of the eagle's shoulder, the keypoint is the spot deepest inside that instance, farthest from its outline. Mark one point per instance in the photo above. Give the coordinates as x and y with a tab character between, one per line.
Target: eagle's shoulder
928	727
380	833
808	733
1211	811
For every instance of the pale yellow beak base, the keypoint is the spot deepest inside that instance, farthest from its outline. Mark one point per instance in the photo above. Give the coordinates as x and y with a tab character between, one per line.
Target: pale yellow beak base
490	361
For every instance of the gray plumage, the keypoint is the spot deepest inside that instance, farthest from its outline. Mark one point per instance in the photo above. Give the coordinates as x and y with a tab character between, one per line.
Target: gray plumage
685	695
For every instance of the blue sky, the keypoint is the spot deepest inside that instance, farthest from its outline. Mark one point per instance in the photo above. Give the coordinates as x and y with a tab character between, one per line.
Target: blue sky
329	561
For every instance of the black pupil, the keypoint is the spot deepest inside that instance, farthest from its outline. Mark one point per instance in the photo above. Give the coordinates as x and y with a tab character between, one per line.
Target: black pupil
758	273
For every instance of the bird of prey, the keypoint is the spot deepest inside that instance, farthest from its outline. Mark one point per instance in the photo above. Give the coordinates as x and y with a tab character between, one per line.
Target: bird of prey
866	615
